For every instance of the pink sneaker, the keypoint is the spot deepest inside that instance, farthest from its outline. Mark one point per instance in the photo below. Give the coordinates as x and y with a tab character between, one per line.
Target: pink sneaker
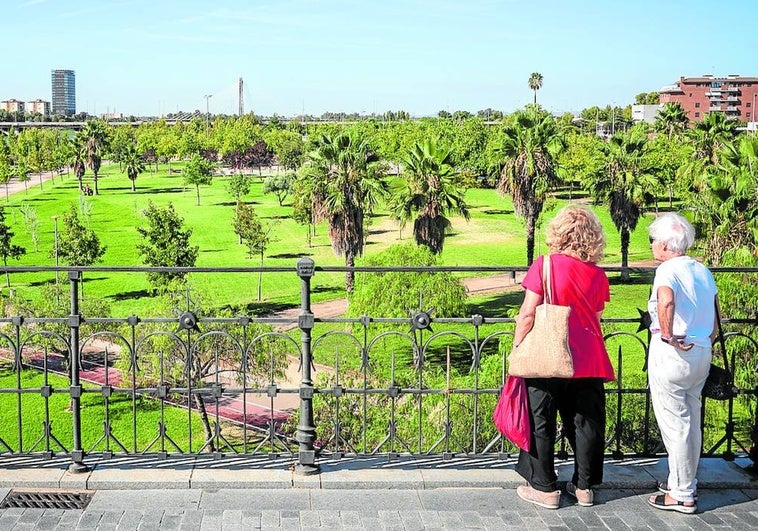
585	497
548	500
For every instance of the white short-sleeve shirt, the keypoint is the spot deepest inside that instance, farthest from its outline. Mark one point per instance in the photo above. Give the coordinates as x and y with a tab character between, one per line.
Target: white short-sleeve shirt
694	294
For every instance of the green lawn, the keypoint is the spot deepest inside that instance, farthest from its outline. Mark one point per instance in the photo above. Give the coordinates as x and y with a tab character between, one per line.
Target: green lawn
492	237
32	406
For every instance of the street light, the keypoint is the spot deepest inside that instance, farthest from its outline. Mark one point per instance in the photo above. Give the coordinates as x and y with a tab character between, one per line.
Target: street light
207	113
55	236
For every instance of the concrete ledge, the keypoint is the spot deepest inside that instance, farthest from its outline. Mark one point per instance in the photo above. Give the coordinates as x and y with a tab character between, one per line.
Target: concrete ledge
244	472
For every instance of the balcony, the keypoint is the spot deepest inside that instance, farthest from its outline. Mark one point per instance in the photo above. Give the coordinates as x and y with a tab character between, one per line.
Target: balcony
732	98
713	93
733	90
732	108
715	108
435	392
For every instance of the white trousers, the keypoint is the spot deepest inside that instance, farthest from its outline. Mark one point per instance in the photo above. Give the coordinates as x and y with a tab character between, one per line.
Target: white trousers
676	380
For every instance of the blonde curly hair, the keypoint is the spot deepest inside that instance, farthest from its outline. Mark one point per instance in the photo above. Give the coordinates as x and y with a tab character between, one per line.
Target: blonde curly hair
576	231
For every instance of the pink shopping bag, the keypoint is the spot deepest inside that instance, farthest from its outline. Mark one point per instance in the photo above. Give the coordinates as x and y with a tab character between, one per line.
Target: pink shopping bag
511	415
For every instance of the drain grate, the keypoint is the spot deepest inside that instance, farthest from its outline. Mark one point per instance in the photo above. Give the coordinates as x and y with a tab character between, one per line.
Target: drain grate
46	499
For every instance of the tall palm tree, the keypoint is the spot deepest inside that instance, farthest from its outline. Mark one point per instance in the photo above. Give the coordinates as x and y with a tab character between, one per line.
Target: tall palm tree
626	183
348	183
535	83
96	134
78	158
429	192
532	141
671	119
132	161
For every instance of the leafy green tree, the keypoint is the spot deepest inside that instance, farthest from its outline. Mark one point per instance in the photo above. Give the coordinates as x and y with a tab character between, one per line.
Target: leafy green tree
647	98
22	172
238	185
165	243
671	119
253	234
303	193
6	172
280	185
77	244
198	171
532	141
7	248
31	223
96	133
626	183
429	192
535	83
133	164
392	293
349	183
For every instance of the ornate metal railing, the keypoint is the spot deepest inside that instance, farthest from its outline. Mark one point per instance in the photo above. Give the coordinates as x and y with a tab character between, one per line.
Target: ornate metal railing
219	385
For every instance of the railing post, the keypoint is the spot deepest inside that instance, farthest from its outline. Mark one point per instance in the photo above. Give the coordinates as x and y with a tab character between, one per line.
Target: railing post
306	430
74	320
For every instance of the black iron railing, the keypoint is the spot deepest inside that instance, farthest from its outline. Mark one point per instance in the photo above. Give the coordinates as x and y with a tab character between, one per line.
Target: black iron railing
196	383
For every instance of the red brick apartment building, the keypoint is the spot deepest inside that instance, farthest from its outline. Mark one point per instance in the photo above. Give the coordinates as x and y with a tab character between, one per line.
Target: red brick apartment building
733	95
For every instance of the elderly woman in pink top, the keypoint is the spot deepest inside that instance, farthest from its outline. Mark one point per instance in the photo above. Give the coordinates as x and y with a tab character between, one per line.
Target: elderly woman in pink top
576	242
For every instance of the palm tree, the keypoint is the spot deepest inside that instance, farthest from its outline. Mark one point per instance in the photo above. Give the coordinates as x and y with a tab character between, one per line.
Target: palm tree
727	203
132	161
429	192
95	133
532	142
78	158
348	183
671	119
535	83
626	183
711	133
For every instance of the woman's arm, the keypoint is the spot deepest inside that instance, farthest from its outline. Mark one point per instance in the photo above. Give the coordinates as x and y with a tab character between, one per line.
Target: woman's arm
525	317
666	307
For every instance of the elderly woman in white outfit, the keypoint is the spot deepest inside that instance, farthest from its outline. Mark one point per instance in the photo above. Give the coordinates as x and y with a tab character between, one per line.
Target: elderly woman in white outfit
683	310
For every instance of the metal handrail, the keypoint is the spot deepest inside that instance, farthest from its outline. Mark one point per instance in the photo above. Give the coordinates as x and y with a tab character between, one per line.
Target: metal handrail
336	407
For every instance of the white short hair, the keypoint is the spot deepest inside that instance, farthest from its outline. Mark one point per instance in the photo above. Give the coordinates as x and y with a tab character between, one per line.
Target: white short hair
674	230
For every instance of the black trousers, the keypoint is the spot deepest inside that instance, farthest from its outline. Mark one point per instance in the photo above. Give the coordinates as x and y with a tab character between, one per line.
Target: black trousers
581	404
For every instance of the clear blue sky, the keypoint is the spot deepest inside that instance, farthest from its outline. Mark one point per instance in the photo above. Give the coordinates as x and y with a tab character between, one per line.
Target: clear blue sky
158	56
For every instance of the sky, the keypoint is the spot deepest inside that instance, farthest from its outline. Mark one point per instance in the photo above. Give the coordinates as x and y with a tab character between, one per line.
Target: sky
153	57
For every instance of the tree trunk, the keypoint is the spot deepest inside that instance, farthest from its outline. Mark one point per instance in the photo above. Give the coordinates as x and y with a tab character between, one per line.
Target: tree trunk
625	277
94	180
200	403
530	223
260	279
349	275
197	188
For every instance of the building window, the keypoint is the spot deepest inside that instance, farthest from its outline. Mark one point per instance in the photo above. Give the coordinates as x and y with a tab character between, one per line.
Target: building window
747	115
747	104
697	115
697	104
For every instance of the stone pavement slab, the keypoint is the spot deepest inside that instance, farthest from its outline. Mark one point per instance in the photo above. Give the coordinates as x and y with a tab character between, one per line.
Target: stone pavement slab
406	494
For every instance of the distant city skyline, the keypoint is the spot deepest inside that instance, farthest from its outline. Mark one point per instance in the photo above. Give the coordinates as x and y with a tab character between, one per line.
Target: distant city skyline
422	56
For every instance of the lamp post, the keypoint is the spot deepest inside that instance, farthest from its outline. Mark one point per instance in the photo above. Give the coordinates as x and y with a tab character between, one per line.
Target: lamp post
207	113
55	236
55	247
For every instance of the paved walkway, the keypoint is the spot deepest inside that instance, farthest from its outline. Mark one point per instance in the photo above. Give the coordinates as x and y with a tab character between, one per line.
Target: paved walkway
241	493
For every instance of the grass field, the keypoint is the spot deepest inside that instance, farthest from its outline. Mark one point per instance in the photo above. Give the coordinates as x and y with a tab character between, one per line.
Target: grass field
492	237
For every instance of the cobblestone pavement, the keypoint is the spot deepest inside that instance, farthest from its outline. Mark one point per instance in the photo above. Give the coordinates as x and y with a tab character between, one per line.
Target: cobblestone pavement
407	509
417	494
